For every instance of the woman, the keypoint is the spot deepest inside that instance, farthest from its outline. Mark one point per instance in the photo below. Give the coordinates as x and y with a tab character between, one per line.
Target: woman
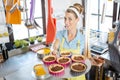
71	39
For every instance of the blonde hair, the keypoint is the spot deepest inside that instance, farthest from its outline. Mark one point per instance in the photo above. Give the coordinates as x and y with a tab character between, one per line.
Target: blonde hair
79	9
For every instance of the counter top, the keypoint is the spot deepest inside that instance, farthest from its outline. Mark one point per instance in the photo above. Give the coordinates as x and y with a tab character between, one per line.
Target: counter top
20	67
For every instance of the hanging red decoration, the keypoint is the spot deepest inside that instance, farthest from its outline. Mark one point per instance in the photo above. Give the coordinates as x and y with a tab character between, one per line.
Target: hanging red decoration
51	25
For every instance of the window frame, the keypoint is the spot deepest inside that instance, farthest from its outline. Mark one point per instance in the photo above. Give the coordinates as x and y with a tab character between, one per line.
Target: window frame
11	37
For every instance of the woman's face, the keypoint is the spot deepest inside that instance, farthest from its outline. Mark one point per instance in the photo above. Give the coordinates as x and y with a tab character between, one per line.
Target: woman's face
70	21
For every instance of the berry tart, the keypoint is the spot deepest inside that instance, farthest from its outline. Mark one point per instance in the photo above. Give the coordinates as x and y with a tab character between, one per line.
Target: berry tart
65	61
78	58
78	67
56	69
50	59
66	54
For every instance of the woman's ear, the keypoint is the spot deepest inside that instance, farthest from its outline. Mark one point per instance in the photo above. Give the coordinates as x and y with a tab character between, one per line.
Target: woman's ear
78	19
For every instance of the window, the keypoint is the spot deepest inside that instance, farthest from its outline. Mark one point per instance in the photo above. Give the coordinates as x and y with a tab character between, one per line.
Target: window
3	29
96	9
21	31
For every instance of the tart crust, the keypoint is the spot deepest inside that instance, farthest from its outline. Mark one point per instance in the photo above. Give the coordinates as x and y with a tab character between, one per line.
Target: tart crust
78	58
78	67
49	59
66	54
52	68
63	60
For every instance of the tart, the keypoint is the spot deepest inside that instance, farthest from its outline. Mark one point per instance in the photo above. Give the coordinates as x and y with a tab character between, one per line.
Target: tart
39	70
66	54
98	61
78	58
50	59
43	52
56	69
65	61
78	67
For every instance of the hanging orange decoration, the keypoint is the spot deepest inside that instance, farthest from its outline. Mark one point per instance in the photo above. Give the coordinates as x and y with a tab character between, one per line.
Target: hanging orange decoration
13	14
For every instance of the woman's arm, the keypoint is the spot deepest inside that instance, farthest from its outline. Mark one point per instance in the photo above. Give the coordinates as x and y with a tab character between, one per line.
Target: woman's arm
56	46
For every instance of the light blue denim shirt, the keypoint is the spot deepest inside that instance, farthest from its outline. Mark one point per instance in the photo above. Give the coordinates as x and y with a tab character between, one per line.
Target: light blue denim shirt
72	44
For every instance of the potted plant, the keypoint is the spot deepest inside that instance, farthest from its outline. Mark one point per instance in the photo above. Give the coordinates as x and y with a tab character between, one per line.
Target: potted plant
25	43
39	39
32	40
18	43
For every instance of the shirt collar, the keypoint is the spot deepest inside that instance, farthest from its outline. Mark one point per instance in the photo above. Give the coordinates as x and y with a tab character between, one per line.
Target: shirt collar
66	37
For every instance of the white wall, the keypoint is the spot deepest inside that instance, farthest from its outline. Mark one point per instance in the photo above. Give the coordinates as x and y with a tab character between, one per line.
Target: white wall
75	1
59	7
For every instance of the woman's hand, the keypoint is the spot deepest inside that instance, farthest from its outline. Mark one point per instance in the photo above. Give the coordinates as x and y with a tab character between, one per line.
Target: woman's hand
54	52
55	47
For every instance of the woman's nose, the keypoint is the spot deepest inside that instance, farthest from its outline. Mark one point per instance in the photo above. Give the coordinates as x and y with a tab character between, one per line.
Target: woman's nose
66	22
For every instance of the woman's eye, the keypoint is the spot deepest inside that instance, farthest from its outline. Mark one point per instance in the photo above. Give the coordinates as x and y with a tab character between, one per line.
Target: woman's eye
67	19
64	18
70	19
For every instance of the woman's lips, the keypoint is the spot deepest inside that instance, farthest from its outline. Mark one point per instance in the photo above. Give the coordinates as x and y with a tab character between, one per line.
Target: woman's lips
67	27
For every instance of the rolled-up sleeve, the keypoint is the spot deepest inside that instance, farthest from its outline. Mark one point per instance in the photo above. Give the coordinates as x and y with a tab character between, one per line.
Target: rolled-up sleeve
59	35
